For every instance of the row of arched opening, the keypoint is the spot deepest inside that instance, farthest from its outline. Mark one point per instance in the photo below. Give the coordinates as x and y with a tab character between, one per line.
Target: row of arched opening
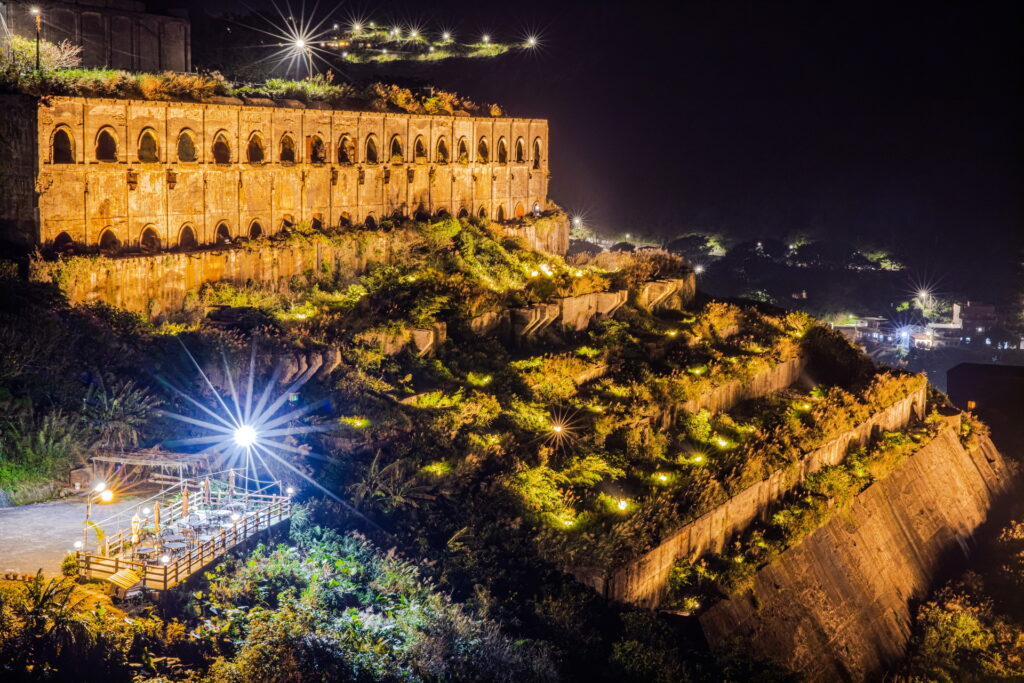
62	149
149	239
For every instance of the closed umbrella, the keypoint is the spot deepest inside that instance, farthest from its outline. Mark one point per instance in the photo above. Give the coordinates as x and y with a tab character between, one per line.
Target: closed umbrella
231	484
136	526
206	491
184	501
156	518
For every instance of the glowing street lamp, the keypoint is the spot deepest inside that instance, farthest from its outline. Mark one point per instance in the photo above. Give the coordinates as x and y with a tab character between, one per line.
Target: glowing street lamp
245	436
486	38
446	36
698	269
39	28
531	42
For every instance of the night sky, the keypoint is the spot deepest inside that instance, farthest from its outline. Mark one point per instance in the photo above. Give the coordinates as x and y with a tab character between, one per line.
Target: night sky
877	124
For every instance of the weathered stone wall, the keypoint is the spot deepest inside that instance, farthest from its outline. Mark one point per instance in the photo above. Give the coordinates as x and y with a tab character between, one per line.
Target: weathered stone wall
119	34
160	284
837	607
731	393
574	313
644	581
18	219
82	200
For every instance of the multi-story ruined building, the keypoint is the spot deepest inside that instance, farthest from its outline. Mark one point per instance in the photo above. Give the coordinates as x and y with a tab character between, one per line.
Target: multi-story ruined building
112	172
116	34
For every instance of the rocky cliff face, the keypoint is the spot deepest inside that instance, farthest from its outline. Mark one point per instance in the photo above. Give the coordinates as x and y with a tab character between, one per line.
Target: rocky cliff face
838	606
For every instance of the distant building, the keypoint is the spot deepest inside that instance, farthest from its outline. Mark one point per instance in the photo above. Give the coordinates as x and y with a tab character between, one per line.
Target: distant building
116	34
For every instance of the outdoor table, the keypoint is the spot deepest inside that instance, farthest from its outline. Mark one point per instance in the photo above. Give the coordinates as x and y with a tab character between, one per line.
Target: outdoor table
145	551
221	513
173	538
237	506
175	545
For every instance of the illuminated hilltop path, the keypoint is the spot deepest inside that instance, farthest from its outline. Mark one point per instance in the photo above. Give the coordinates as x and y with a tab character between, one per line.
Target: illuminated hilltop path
39	535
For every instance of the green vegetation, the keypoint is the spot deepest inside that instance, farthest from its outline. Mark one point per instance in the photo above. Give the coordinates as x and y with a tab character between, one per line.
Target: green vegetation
823	495
68	384
324	605
59	75
972	629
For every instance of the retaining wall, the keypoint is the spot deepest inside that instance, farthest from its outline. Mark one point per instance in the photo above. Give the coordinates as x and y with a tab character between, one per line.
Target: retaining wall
644	580
838	606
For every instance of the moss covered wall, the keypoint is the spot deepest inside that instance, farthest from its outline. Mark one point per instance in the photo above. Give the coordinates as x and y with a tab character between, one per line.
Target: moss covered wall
838	606
644	581
160	284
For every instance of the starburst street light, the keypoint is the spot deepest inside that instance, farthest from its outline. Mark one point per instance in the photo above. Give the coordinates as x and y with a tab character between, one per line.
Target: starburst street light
245	436
300	39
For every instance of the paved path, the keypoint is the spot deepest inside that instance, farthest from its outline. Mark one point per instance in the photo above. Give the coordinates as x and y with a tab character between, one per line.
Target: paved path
39	535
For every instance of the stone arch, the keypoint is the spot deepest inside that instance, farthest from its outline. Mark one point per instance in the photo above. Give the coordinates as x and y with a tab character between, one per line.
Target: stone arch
317	150
370	222
482	213
370	155
256	149
187	237
345	219
463	213
255	230
149	151
395	153
221	149
502	151
520	210
287	221
62	146
421	214
536	152
186	146
63	242
149	240
222	235
419	150
483	150
106	145
520	151
442	213
463	151
442	156
346	149
109	241
501	214
286	153
317	221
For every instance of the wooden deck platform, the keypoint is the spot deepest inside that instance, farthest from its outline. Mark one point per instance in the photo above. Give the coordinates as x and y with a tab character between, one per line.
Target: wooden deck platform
269	511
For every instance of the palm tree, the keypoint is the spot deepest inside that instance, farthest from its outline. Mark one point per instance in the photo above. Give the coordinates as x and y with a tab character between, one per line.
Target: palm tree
53	623
117	410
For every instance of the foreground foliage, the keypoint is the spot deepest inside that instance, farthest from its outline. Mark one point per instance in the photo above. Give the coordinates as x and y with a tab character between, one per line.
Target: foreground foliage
972	629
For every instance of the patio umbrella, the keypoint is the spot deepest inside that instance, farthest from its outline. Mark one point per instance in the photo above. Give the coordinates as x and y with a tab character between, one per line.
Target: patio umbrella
231	484
184	502
156	518
136	526
206	491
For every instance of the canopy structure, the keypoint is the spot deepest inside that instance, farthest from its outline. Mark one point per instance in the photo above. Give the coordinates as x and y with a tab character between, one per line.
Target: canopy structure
166	459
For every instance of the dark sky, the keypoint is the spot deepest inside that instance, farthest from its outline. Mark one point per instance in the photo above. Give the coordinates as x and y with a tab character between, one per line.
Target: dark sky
895	123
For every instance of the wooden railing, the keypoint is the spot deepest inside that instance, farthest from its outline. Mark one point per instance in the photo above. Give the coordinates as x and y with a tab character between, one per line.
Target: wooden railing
159	576
120	543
